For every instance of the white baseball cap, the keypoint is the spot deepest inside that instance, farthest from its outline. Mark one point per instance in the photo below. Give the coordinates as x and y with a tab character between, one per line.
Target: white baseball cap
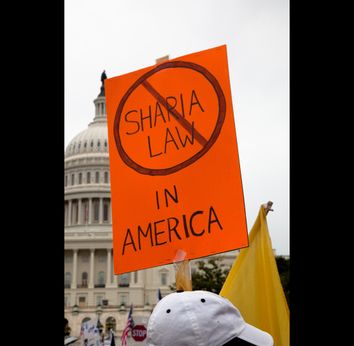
200	318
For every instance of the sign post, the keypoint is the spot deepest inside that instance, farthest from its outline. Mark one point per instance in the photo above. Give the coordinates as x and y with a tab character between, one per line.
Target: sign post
175	172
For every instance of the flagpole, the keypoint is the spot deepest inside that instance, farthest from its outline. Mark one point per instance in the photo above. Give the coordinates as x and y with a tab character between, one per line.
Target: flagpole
128	327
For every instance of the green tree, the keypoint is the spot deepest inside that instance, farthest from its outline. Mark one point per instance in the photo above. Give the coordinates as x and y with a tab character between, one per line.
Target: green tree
283	265
210	276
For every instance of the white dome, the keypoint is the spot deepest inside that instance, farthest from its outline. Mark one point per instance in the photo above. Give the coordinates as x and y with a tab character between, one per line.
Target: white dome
92	140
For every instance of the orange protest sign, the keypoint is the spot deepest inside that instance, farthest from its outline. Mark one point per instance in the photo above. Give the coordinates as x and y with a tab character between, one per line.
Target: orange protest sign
175	173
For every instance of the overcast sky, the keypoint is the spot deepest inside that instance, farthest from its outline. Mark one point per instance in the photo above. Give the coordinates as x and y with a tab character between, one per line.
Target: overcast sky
121	36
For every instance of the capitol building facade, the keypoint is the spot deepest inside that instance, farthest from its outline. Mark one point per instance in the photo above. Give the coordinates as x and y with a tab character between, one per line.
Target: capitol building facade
91	290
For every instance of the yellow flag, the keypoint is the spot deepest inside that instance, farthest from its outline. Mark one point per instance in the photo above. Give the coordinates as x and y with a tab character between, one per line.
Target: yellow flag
253	285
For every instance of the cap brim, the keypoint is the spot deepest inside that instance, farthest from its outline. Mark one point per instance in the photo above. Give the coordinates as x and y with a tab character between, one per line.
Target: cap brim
256	336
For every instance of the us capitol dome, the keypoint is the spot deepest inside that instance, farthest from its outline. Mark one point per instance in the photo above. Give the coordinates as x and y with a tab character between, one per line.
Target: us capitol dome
91	290
94	140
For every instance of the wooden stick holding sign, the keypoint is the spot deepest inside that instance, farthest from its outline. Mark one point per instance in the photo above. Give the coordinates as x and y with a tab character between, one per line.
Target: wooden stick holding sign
162	59
183	272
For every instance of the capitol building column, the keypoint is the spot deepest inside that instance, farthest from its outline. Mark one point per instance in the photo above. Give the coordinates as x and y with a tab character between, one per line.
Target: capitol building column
74	282
109	266
101	211
92	264
90	211
69	213
79	217
110	211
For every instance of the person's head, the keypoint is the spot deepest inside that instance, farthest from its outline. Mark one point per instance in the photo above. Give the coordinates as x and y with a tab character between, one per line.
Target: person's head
201	318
